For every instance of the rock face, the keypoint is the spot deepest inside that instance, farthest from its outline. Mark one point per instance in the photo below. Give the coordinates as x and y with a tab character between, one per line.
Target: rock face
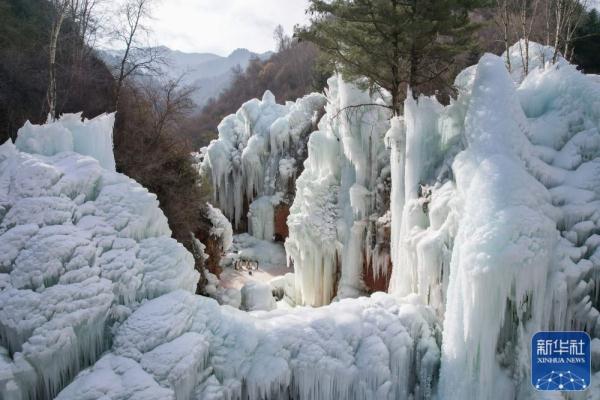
377	277
281	231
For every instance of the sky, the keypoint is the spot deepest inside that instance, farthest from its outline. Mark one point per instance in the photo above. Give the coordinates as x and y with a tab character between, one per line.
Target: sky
221	26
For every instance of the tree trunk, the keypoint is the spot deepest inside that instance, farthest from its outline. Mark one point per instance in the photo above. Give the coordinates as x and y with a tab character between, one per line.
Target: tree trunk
506	17
54	34
559	16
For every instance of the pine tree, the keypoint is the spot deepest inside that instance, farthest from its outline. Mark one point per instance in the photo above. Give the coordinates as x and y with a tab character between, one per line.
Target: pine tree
587	43
393	43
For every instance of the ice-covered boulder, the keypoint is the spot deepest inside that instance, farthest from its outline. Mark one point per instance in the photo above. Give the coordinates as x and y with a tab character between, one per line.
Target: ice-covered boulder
340	196
72	132
81	246
258	155
367	348
497	227
257	296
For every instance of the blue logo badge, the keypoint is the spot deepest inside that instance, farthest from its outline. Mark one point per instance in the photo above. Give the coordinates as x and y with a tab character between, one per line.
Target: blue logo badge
560	361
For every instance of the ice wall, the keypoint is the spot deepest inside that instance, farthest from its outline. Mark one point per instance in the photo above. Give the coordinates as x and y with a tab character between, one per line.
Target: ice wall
90	137
339	196
500	236
80	247
257	155
182	346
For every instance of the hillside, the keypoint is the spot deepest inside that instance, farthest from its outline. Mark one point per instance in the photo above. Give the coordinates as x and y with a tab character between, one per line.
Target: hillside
208	73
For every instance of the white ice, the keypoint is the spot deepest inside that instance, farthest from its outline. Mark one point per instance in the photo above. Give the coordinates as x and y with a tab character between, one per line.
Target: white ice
339	196
80	247
255	154
367	348
496	228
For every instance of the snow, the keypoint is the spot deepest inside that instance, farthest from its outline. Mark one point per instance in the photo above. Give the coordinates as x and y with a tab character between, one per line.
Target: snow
496	228
354	349
74	133
257	296
339	190
269	255
81	247
255	154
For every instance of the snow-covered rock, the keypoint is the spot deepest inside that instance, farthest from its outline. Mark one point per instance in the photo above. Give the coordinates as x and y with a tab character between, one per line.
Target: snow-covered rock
497	228
339	196
257	155
80	247
257	296
367	348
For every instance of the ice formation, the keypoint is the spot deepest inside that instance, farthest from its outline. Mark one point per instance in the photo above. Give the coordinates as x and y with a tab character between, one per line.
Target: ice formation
340	196
71	132
80	247
495	217
257	156
220	227
495	231
182	346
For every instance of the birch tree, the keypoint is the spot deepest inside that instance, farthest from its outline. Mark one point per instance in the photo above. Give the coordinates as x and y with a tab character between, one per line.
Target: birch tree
60	12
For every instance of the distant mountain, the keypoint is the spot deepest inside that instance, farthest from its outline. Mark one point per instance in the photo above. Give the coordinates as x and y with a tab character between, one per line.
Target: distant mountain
210	73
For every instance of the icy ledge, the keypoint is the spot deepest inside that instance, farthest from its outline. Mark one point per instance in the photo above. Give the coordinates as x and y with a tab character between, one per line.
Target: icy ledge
80	248
182	346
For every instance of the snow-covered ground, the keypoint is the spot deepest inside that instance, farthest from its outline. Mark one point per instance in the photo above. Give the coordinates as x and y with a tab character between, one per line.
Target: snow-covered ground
269	255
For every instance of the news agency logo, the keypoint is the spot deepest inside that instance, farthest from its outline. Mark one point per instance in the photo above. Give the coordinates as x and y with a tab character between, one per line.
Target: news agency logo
560	361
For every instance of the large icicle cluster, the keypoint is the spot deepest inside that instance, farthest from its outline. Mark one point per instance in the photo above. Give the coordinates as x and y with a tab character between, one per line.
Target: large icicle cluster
257	157
497	227
182	346
80	247
340	197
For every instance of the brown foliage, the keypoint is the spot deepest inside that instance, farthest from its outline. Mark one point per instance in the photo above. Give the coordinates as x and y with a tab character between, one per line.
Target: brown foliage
148	150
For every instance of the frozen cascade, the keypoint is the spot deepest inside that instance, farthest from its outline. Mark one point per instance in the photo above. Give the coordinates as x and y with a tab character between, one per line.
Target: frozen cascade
502	219
80	247
339	196
257	154
367	348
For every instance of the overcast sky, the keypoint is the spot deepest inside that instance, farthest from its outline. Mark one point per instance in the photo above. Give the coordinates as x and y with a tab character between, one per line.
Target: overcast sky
221	26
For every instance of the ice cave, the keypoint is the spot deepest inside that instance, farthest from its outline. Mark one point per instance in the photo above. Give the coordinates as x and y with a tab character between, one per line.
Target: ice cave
397	257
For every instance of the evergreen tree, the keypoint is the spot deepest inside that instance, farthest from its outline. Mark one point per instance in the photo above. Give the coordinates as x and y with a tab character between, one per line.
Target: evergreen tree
587	43
393	43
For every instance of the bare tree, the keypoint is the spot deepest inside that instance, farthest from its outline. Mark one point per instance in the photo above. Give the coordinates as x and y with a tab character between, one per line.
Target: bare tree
576	11
86	25
527	13
60	11
504	20
568	15
282	41
169	103
132	34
